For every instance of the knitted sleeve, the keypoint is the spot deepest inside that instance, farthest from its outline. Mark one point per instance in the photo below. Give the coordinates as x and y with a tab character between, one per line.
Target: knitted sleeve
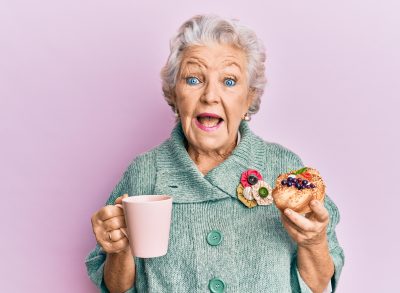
139	178
298	284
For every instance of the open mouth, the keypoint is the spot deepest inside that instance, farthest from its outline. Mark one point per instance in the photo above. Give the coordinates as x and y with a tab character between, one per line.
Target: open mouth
208	121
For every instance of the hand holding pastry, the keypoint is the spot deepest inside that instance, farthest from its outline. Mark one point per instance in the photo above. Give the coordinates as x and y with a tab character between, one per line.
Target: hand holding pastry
310	230
302	192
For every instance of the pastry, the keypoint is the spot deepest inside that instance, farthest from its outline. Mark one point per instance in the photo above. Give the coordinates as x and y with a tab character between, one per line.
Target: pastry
295	190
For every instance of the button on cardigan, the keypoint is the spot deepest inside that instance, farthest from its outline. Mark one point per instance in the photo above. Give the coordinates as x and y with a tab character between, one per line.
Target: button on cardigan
254	254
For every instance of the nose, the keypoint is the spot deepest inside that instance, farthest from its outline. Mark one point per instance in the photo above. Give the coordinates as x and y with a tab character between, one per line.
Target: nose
211	93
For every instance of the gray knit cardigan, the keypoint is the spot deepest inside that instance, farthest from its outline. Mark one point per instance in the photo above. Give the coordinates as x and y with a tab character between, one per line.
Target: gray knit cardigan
255	255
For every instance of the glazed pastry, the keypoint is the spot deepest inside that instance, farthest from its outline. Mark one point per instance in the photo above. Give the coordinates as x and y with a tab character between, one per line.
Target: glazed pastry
295	190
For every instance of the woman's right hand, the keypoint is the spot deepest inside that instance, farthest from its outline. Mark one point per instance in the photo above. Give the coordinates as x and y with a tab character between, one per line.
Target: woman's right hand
107	223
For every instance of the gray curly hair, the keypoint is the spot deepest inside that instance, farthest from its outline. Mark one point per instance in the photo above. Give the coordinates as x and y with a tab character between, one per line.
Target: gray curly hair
206	29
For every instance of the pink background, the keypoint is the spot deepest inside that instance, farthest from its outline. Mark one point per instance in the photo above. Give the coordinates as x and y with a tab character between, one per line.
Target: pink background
80	96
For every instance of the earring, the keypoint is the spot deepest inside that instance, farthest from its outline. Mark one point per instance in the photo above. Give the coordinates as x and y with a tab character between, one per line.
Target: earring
246	117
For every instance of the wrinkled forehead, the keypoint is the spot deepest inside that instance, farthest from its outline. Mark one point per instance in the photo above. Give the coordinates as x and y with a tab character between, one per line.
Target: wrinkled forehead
214	57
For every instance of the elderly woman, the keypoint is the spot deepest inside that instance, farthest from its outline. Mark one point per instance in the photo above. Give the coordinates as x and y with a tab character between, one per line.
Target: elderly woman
213	80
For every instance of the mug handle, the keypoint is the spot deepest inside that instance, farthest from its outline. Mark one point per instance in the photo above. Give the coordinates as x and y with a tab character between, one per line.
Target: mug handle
123	230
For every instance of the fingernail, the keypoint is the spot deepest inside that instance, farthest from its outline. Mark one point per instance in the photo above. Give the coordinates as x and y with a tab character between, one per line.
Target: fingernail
288	212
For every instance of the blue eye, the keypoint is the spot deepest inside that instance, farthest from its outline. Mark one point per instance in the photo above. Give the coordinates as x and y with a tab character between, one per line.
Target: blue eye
229	82
192	80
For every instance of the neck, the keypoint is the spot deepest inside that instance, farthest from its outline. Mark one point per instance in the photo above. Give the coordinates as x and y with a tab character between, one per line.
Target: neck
207	160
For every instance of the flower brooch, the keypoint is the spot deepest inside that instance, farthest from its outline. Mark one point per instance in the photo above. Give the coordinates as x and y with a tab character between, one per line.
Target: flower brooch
252	190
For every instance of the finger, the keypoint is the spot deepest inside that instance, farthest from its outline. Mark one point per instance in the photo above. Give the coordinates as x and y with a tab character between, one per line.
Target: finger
98	233
300	221
114	247
320	213
291	229
109	212
114	223
114	235
119	199
287	222
118	205
120	245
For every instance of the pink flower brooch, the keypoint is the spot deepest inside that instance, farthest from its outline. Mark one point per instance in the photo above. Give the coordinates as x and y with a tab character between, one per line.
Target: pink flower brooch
253	191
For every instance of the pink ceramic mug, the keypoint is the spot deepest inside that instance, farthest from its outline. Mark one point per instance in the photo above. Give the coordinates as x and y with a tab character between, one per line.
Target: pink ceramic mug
148	221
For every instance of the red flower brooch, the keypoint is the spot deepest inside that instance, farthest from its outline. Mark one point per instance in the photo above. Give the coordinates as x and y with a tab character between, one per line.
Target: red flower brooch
252	190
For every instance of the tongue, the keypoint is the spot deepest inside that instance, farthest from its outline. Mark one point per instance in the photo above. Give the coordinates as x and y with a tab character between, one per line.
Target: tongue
208	121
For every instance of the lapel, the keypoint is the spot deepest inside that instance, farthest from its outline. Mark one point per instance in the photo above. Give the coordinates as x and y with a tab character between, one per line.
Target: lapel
177	174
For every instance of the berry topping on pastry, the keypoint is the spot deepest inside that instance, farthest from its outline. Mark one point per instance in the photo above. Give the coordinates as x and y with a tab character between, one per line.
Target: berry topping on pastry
296	189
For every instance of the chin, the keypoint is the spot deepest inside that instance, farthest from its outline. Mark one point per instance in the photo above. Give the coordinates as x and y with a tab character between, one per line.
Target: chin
213	144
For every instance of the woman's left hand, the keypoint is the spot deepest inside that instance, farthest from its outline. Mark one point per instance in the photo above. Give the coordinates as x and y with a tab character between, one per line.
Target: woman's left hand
310	230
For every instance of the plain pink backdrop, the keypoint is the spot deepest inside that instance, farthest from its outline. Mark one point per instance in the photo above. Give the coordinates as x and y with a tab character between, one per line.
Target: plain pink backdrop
80	97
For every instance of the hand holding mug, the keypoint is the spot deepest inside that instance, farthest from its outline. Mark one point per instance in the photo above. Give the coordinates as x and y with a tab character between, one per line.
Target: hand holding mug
109	226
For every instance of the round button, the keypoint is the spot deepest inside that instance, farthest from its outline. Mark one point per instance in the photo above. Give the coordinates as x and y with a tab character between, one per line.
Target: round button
263	192
214	238
252	179
216	285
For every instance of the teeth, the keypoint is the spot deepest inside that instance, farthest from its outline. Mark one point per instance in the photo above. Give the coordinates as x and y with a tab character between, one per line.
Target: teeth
208	121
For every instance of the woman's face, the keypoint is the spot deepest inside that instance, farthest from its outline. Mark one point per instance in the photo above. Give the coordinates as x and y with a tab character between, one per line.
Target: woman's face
212	95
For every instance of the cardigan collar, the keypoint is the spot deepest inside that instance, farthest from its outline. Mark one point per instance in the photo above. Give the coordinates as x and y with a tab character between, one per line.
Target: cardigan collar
179	176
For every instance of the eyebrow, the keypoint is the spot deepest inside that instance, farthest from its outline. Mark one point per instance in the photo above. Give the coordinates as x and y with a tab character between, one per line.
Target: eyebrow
193	64
196	61
201	64
190	68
